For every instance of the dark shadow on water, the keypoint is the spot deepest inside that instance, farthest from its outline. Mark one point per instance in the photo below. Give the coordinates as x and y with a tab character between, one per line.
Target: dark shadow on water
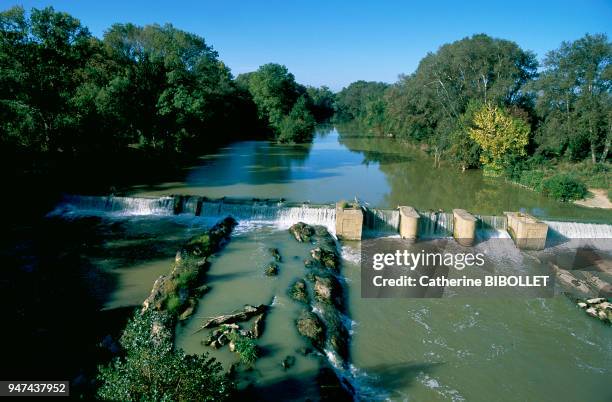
381	380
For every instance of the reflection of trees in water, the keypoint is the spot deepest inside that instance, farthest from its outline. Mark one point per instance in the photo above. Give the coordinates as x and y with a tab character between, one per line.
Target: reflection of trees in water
274	163
414	181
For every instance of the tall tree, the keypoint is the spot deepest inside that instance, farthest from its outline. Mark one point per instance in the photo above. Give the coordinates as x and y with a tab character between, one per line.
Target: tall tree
574	99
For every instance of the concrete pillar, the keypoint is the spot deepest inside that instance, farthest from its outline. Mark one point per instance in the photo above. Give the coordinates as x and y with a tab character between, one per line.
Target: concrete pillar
464	227
409	223
349	222
526	231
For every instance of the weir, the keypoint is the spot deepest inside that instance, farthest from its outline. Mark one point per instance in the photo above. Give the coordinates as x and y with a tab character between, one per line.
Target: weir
377	222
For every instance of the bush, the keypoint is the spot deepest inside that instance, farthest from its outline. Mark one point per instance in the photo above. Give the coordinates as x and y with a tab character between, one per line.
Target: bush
246	348
564	187
173	304
532	179
153	370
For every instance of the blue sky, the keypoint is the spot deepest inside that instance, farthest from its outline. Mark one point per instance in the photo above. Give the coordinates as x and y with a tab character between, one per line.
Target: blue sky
334	43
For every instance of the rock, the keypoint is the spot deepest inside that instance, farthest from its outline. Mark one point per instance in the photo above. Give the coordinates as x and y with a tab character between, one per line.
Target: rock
311	327
192	303
592	312
327	290
223	340
215	344
327	258
275	254
178	258
271	270
605	305
310	263
258	326
602	315
246	314
596	300
288	362
302	232
232	346
582	305
299	292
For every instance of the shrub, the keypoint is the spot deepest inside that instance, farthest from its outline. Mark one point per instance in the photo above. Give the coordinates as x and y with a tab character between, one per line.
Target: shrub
153	370
173	304
564	187
246	348
187	277
532	179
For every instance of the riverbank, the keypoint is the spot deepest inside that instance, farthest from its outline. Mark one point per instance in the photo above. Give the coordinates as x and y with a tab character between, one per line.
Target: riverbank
599	199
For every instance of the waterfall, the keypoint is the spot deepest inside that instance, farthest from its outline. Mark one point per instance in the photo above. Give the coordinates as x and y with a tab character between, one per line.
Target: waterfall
78	204
491	222
282	215
279	214
576	230
435	224
381	221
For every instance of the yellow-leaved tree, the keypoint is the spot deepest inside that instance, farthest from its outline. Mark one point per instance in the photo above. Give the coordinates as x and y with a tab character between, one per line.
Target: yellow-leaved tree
500	135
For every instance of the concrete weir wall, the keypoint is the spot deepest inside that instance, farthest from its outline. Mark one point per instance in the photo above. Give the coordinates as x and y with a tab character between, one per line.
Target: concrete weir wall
349	222
409	223
526	231
464	227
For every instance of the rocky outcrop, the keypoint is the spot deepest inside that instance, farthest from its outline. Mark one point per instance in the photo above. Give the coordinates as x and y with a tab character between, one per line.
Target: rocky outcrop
302	232
310	326
299	292
177	292
275	254
598	307
271	269
326	257
324	325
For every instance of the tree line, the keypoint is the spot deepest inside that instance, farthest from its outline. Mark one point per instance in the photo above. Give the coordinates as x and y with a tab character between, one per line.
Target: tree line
155	87
485	102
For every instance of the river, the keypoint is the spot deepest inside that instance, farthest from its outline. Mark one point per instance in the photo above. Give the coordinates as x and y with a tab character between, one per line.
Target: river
472	349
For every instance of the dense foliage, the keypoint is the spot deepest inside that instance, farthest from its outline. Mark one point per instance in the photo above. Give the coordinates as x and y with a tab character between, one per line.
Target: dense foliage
481	102
152	370
153	87
287	108
564	187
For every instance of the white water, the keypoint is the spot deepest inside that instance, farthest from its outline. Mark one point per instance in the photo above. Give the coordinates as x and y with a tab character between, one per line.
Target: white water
95	205
576	230
249	213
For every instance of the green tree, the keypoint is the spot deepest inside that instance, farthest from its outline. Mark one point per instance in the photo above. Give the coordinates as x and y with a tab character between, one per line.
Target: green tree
152	370
574	101
428	105
351	101
500	135
281	102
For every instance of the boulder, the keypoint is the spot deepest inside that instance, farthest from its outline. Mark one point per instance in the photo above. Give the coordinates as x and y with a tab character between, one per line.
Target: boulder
311	327
582	305
302	232
592	312
271	270
299	292
327	258
275	254
258	326
327	290
596	300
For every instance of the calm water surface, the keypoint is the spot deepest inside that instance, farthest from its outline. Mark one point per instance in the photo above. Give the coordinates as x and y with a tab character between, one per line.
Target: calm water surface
347	164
